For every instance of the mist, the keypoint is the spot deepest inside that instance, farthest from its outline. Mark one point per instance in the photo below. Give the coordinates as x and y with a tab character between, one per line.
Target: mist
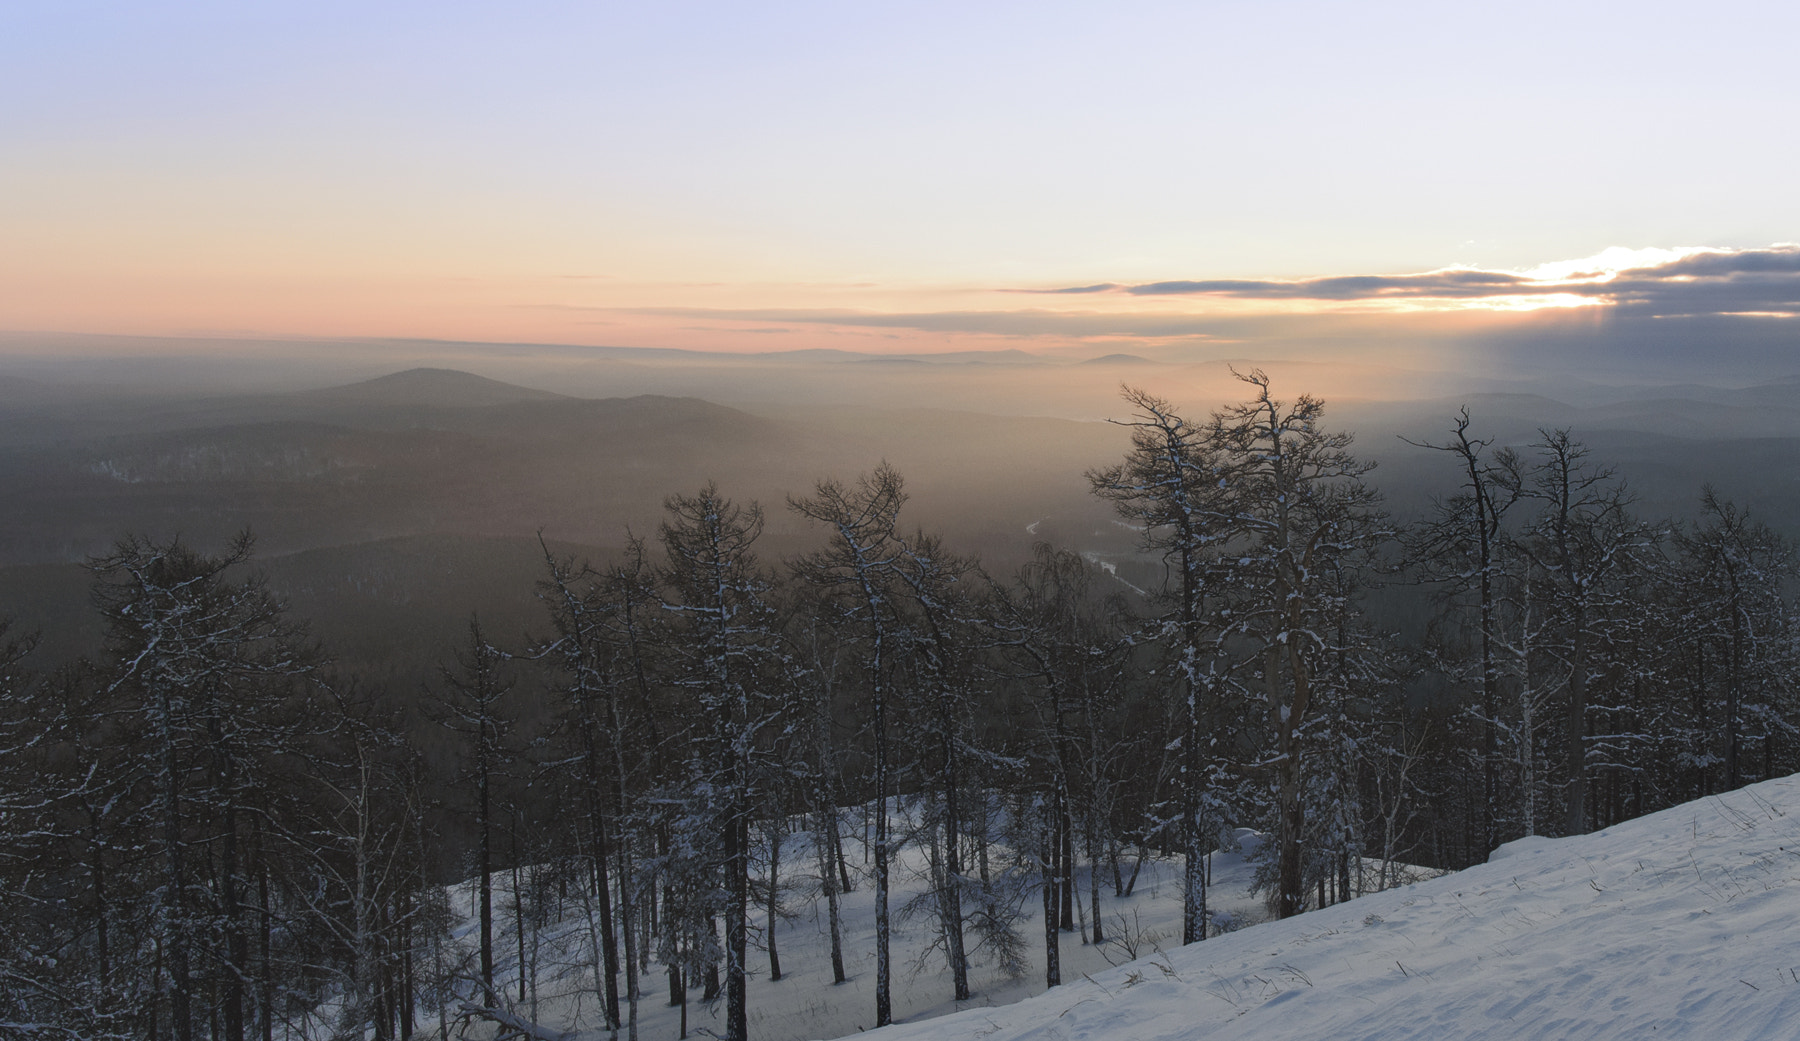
445	459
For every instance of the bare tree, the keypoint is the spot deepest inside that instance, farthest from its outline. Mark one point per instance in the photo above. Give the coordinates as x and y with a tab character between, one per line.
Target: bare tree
1581	539
470	702
1735	568
941	616
600	651
1461	547
200	659
857	567
1298	503
725	644
1169	487
1056	634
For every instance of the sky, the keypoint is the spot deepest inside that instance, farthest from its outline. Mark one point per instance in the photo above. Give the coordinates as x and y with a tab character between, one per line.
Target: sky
1061	178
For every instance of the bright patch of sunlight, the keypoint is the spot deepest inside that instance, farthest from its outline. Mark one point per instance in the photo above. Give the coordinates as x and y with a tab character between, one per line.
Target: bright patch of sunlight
1607	263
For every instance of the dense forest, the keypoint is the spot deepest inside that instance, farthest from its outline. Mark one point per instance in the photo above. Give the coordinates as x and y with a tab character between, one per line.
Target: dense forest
209	830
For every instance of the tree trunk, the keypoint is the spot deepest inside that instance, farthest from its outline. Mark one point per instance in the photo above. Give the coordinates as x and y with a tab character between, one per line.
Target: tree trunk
408	982
884	1001
1193	825
1052	959
1575	821
1733	681
485	890
1065	859
950	899
609	944
774	892
627	910
828	820
1291	864
1093	880
265	931
736	939
518	902
174	910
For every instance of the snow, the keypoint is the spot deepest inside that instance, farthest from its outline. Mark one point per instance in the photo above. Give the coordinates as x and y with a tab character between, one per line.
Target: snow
1520	847
1112	571
804	1004
1684	924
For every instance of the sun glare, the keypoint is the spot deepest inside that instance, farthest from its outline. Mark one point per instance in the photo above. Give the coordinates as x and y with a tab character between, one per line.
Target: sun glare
1523	302
1604	265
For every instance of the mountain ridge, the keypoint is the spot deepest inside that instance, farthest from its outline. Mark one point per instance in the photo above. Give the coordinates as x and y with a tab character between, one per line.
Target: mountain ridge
425	386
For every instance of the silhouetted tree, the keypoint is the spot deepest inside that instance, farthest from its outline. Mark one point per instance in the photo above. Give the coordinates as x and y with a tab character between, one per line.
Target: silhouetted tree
201	661
471	704
1302	512
1581	539
1169	487
856	569
724	643
1460	545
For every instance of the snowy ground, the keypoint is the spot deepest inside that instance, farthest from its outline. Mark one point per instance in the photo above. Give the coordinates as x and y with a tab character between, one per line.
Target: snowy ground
1684	925
804	1004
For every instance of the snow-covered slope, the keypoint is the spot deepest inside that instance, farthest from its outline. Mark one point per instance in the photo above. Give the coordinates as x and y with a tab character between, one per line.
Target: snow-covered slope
1684	925
805	1004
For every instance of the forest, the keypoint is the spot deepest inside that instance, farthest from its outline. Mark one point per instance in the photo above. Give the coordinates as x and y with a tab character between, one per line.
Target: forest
210	829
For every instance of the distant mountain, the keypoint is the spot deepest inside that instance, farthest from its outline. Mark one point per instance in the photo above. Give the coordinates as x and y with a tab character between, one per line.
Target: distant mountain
1009	356
423	388
1006	357
828	355
441	452
418	397
1118	359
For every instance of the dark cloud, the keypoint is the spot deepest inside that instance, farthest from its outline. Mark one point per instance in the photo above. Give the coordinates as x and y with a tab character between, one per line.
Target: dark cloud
1723	296
1780	259
1723	281
1459	283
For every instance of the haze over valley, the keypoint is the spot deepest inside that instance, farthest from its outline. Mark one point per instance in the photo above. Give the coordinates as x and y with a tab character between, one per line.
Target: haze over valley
579	521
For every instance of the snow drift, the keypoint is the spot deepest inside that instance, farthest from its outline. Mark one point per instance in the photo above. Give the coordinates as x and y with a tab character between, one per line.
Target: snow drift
1684	924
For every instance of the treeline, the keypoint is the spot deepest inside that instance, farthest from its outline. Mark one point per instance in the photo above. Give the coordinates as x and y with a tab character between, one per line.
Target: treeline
209	832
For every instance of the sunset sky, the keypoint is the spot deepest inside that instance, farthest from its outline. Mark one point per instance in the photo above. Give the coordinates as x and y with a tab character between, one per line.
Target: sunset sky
1072	179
